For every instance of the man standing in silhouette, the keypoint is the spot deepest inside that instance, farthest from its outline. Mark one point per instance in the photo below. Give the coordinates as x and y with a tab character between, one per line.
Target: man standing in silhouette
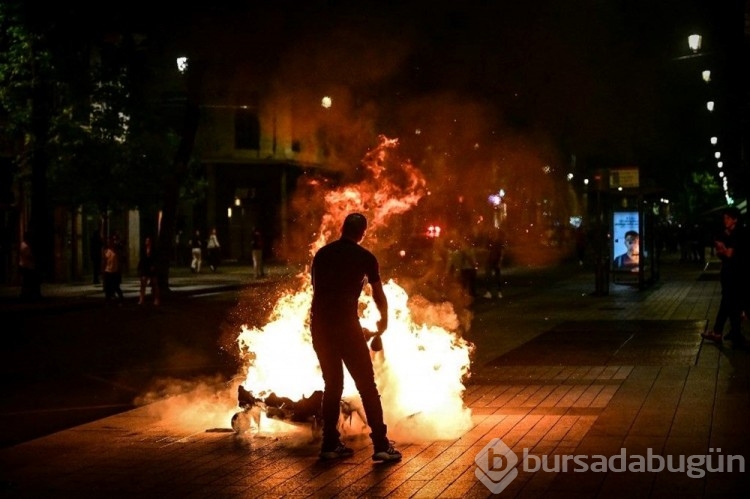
340	269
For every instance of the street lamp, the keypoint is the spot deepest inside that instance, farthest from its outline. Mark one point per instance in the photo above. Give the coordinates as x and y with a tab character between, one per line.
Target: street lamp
714	140
710	105
706	75
182	64
695	42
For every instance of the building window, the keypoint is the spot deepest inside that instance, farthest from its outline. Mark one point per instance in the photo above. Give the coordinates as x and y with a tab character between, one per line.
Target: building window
246	130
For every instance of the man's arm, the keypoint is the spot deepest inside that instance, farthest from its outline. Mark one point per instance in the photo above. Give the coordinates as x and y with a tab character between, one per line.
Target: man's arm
382	303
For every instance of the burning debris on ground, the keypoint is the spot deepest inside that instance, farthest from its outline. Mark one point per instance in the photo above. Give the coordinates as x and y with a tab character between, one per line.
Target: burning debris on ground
416	356
300	411
305	411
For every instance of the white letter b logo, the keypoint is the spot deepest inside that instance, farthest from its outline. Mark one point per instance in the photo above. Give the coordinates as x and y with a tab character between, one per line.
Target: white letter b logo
496	465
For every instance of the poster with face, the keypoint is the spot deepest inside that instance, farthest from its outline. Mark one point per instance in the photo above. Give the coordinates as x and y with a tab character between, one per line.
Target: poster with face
626	246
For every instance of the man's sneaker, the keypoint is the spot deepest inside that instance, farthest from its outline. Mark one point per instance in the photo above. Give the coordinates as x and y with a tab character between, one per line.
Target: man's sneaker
388	455
338	452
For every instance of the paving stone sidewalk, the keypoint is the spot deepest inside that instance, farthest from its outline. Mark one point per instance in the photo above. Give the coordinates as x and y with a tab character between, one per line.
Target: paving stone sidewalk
558	373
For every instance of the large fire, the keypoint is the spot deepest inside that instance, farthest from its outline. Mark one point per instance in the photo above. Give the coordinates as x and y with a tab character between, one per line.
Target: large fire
420	370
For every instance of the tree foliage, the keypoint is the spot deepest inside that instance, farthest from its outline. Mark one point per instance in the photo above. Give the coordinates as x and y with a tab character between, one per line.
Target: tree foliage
111	143
22	65
700	195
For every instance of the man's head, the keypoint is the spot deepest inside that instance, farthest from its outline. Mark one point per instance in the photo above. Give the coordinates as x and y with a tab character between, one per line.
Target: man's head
355	225
631	242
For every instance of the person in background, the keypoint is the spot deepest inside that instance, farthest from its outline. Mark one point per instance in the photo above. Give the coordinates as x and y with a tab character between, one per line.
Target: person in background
339	271
495	247
95	252
196	250
111	272
257	252
214	250
148	272
730	247
30	282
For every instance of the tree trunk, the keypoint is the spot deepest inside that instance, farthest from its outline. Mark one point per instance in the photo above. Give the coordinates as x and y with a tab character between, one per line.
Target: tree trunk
179	171
40	223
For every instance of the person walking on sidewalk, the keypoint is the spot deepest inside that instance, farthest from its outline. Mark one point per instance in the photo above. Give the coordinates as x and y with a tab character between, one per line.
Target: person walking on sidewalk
111	272
257	252
339	270
493	272
196	250
214	248
148	272
730	248
30	281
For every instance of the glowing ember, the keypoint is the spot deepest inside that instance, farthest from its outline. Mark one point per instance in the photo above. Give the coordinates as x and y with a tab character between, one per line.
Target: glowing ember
421	369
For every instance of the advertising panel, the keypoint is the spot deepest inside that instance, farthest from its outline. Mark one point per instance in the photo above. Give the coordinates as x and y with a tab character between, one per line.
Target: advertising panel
626	247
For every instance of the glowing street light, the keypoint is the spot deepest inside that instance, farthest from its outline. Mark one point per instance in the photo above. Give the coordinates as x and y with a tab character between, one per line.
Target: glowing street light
710	105
695	42
182	64
717	155
326	102
714	140
720	164
706	75
496	199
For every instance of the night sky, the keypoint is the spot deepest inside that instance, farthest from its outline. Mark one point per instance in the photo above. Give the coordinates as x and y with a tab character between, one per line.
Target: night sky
603	81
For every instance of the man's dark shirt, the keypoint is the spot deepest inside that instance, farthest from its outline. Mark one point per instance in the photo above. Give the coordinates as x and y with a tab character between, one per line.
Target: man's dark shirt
732	268
339	271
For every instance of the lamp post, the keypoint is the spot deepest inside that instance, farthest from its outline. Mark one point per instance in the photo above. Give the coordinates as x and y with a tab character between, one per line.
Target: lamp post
714	107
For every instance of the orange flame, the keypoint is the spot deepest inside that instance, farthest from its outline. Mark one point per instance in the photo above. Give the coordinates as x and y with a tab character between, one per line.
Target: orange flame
421	369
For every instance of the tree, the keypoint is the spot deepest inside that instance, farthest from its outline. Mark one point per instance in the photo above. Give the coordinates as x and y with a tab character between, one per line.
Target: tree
26	71
700	194
85	109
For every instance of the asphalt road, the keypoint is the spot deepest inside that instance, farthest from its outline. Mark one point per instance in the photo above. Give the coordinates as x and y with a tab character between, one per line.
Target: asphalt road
60	368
